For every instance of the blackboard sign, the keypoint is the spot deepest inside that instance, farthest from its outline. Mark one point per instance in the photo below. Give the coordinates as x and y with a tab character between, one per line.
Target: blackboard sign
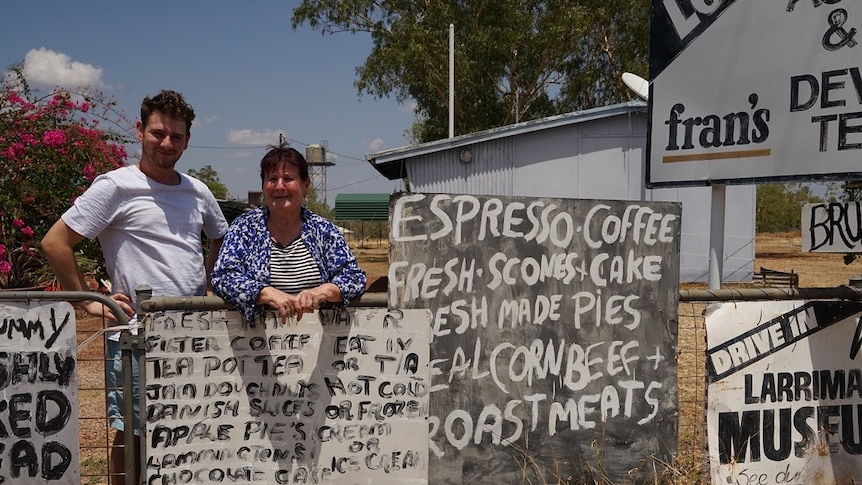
553	332
339	397
39	401
785	392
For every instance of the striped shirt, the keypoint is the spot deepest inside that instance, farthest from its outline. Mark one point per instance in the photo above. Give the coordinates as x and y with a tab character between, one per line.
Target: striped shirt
292	269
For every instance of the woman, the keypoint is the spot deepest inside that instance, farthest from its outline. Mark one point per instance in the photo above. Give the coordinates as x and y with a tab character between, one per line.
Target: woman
281	255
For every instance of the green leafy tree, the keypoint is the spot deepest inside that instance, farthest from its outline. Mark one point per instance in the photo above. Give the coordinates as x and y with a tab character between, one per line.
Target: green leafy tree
779	206
52	146
515	60
209	176
617	41
316	205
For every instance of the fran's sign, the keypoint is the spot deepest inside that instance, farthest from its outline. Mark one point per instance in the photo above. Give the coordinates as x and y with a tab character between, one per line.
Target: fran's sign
339	398
753	90
785	392
553	333
38	394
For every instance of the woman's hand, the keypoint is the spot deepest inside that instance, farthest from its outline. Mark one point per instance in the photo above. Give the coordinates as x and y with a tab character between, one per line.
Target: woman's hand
285	304
310	300
307	301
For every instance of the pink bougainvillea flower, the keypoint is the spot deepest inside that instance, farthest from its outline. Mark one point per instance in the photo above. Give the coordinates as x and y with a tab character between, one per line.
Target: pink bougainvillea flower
89	172
28	231
15	150
18	223
54	138
5	267
2	251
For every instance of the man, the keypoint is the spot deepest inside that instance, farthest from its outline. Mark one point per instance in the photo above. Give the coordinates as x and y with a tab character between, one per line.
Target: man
148	219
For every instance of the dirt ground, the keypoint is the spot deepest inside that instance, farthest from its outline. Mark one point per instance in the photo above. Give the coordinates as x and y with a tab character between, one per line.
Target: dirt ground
783	252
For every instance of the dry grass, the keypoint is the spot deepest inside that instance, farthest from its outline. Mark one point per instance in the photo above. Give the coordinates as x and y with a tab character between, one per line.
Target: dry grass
783	252
374	260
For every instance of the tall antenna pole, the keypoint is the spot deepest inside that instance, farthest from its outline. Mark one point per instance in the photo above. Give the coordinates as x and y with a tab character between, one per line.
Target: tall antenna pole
451	80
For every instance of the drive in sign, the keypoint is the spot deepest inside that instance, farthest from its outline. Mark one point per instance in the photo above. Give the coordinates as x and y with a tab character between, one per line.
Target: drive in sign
745	91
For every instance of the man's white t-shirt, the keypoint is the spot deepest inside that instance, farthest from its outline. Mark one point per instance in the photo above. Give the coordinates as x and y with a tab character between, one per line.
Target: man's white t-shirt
150	233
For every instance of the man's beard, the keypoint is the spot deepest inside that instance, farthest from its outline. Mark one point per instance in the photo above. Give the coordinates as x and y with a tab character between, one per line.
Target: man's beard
160	160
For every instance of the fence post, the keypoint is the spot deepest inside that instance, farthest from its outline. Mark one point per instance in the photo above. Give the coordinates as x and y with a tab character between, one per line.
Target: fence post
130	343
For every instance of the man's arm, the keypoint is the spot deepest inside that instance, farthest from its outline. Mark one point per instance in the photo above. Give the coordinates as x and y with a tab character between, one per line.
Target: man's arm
59	247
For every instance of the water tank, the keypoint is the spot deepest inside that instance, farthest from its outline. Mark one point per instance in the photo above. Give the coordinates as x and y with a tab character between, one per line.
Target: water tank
315	155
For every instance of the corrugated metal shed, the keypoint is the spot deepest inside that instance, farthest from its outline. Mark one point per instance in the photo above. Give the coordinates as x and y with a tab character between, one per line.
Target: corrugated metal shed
362	207
392	163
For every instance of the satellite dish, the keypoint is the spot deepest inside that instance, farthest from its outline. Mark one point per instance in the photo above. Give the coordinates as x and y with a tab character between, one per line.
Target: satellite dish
637	84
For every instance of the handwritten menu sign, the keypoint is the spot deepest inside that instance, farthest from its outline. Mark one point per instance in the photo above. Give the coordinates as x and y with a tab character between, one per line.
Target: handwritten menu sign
38	394
339	397
553	332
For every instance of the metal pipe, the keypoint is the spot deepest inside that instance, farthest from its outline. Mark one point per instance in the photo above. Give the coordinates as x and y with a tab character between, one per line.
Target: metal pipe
716	236
759	294
106	300
451	80
382	300
206	303
126	342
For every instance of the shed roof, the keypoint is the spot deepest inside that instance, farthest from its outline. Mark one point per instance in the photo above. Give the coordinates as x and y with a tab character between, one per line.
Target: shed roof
362	207
391	163
234	208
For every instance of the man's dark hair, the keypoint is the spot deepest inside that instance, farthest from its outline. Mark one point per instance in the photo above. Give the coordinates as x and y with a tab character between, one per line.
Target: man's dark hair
169	103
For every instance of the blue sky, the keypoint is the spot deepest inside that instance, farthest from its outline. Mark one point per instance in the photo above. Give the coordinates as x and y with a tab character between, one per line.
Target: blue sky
247	73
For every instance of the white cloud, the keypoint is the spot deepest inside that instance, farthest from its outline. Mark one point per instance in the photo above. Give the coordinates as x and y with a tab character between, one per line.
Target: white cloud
211	119
375	144
251	137
44	68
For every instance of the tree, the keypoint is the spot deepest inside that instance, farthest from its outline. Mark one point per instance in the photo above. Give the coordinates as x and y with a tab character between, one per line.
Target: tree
617	41
209	176
511	55
779	206
316	205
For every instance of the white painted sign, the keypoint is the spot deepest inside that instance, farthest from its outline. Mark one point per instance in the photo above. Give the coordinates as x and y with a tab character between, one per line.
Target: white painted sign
832	227
745	91
340	397
38	394
785	392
